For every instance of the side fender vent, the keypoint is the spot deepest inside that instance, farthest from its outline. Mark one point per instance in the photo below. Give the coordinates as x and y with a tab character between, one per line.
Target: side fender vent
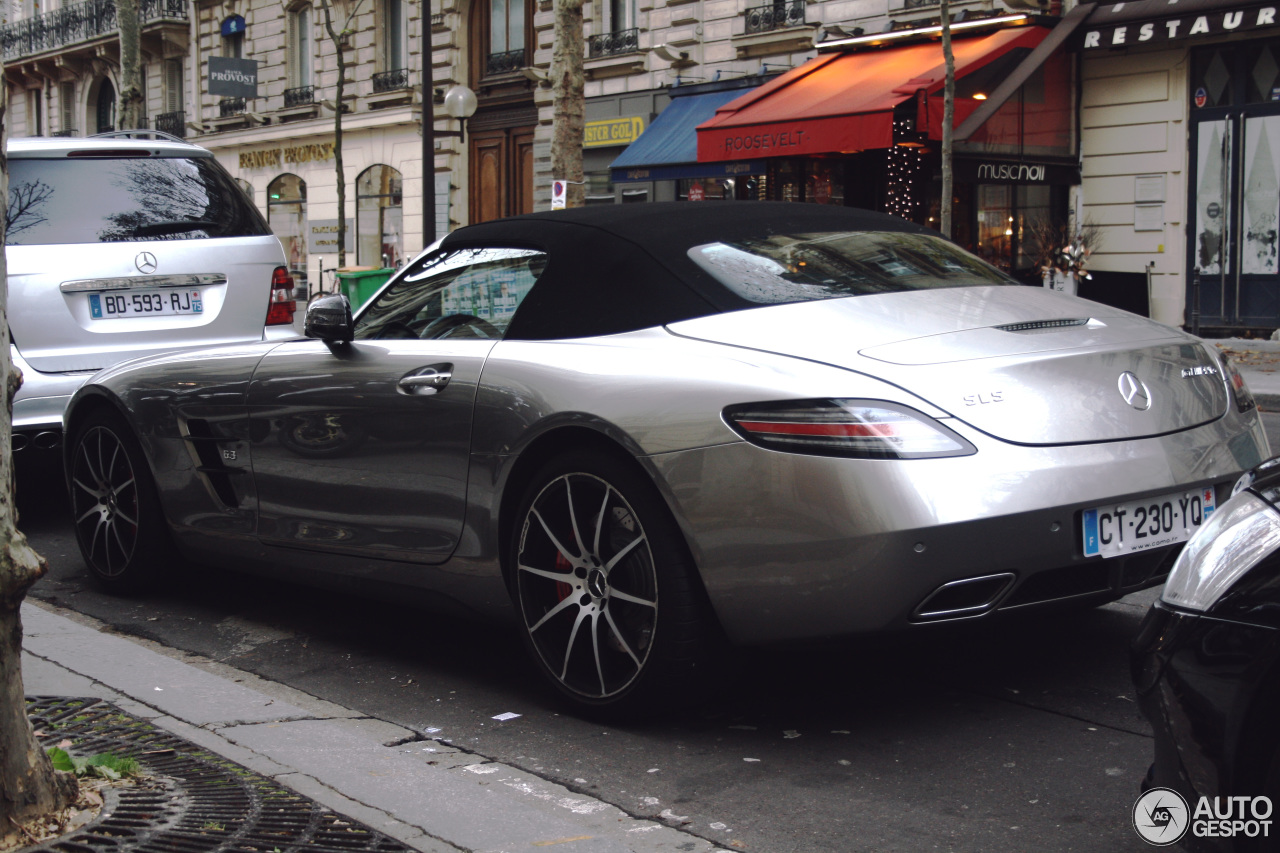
199	436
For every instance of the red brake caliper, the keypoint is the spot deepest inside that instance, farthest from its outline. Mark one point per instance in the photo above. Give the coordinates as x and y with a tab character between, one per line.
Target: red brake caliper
563	590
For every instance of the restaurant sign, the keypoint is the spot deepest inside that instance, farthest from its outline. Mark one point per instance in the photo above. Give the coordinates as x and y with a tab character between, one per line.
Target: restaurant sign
1242	19
612	132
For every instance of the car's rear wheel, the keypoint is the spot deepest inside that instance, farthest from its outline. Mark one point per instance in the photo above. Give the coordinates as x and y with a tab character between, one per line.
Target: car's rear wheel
119	526
604	586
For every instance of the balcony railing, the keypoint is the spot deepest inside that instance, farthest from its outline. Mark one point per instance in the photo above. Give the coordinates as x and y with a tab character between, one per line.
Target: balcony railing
390	81
775	16
70	131
505	63
919	4
174	123
77	23
299	96
228	107
612	44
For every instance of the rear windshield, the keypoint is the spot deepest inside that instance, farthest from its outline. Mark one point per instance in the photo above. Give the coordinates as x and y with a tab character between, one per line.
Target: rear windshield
112	200
802	267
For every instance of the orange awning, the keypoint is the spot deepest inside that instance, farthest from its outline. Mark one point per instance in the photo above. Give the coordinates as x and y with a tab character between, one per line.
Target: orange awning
844	101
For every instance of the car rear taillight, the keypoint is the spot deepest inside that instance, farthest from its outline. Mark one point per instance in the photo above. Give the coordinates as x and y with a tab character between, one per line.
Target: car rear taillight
868	429
1240	391
282	307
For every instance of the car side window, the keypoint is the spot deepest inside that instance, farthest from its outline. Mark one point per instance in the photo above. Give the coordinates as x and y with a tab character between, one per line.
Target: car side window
458	293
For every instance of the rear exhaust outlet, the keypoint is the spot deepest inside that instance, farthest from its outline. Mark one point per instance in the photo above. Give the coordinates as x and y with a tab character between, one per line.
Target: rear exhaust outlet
19	441
47	440
965	598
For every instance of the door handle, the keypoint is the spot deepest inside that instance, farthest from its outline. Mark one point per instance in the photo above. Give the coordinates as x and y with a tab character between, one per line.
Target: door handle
427	380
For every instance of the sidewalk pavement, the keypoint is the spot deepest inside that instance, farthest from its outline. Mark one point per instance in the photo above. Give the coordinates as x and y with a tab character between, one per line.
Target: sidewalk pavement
1259	363
421	791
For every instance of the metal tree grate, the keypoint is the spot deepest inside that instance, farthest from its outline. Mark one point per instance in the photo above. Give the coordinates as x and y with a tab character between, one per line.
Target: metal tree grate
195	802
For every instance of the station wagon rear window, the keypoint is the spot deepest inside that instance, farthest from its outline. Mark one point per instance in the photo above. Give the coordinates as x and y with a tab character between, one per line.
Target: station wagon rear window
783	268
103	200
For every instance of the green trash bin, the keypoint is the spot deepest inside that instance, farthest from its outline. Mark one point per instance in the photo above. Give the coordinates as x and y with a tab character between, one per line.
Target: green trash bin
360	284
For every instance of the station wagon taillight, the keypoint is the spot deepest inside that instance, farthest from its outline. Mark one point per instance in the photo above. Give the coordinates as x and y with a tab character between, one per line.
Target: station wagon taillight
282	307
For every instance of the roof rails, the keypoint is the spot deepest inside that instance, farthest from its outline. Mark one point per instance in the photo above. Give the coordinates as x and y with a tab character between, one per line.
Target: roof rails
143	133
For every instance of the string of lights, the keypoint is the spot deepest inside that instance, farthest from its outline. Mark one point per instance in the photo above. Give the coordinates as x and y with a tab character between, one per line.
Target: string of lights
903	165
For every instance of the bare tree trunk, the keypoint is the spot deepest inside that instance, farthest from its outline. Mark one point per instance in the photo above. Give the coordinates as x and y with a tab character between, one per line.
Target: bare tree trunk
948	118
336	37
29	786
131	103
567	100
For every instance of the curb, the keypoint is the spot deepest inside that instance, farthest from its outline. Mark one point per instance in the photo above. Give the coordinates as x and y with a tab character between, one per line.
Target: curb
423	792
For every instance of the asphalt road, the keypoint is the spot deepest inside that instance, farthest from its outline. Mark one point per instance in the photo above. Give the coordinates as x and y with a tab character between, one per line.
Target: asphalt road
1005	736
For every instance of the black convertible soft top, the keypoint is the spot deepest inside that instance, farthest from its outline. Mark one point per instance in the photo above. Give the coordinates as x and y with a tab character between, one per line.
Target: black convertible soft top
620	268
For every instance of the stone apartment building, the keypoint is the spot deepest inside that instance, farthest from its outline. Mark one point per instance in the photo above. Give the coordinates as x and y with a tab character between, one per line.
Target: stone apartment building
1082	124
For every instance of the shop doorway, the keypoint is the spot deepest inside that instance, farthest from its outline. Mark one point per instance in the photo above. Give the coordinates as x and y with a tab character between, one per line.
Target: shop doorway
1234	191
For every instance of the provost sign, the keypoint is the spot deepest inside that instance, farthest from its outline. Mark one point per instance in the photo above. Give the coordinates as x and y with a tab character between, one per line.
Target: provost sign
233	78
1239	19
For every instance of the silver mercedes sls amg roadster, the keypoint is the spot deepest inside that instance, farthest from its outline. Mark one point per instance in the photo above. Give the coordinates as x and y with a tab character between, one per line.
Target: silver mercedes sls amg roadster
639	430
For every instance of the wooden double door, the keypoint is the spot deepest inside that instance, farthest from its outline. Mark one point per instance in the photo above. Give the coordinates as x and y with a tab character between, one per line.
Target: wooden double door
501	172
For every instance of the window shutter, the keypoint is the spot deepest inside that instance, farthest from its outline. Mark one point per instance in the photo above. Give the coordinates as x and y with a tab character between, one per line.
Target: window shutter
67	106
173	85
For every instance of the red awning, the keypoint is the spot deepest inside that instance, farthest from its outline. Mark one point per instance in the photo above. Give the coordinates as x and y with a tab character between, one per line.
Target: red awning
844	101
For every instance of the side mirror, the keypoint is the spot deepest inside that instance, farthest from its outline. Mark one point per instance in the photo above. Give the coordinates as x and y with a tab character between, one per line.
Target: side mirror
329	319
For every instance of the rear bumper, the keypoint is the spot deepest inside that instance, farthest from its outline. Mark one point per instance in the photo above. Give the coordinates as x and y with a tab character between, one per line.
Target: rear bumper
792	546
40	402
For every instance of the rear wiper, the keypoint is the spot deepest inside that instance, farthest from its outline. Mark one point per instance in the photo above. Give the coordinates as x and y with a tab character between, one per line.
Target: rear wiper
174	227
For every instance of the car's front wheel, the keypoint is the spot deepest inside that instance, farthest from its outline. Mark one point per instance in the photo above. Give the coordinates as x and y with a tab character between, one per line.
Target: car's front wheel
119	526
604	586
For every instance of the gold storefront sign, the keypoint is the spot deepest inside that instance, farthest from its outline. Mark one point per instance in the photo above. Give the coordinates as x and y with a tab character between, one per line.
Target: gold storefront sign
275	157
612	131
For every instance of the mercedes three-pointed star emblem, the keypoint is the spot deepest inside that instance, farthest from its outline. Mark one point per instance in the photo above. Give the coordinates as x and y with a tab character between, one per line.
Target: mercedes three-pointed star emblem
1134	391
145	262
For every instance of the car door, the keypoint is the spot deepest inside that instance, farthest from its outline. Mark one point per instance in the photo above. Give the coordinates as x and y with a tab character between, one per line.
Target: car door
363	447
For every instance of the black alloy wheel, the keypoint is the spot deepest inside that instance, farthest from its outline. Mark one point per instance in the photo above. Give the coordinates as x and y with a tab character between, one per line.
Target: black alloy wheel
604	586
119	526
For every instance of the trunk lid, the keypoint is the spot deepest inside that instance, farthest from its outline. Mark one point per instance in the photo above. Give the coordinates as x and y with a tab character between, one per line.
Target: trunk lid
1025	365
54	327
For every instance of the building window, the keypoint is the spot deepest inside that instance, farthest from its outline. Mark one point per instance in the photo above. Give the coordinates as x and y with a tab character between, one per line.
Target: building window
506	27
300	47
287	216
233	37
379	217
622	15
106	107
395	47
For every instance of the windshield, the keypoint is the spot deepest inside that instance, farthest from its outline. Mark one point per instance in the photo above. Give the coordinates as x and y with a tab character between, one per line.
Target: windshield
100	200
784	268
